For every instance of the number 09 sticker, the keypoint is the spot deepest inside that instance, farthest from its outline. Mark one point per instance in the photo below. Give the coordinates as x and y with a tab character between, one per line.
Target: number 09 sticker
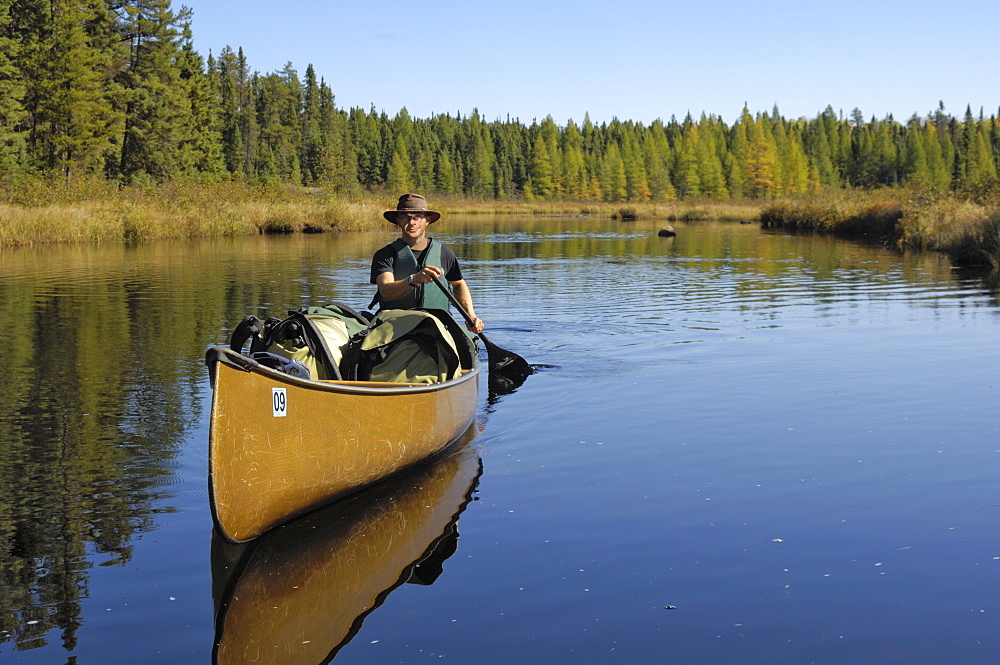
279	403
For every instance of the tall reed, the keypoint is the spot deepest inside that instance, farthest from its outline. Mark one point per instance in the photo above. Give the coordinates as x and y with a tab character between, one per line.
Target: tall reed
966	231
854	216
36	212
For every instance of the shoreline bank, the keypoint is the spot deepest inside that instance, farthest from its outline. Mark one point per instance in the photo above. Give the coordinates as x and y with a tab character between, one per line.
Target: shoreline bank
178	210
967	231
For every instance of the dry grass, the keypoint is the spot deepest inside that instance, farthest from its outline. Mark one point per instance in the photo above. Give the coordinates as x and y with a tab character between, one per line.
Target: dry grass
966	231
34	213
871	214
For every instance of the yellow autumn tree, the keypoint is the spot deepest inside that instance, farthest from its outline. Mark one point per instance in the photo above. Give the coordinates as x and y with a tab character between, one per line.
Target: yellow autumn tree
760	161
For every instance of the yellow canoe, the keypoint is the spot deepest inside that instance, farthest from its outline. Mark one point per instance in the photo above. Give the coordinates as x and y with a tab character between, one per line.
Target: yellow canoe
280	446
299	593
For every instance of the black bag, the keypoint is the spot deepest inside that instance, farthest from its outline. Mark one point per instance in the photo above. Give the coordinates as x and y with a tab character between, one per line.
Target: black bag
281	364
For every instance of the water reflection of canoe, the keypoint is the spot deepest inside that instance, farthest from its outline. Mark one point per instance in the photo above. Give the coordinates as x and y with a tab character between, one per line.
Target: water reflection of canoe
300	592
280	446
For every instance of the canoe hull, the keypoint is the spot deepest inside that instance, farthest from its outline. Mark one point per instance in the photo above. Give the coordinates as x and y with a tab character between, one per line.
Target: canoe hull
280	446
296	595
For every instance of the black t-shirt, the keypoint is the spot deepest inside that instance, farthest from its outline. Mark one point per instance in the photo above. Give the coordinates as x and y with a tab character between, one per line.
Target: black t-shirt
385	259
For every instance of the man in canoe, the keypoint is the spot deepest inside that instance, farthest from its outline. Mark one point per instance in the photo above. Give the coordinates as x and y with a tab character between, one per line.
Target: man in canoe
405	269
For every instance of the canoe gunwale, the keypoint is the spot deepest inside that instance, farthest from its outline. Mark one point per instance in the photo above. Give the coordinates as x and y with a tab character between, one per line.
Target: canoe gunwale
221	354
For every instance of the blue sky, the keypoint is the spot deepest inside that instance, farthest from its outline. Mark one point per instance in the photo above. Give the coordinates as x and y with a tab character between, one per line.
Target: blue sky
631	59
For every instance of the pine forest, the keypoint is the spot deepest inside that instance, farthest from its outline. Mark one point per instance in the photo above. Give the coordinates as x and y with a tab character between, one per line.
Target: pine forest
114	88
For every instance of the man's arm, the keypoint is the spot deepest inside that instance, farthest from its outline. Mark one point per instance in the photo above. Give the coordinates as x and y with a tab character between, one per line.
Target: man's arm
462	295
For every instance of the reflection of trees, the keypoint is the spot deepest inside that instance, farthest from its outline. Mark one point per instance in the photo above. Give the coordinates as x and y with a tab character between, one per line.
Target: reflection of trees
103	375
85	434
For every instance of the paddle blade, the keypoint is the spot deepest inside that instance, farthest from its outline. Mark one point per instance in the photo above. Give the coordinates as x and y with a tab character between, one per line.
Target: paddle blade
506	367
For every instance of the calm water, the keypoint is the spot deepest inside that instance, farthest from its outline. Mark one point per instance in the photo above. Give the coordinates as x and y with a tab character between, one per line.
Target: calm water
749	448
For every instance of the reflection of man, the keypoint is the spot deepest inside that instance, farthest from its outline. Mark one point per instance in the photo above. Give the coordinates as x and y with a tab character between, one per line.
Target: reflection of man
405	268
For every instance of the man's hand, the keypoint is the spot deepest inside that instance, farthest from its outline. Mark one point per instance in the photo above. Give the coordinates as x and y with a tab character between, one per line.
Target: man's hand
476	326
426	275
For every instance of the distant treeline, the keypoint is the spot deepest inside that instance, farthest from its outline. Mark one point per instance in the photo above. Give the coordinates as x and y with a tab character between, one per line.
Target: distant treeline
115	88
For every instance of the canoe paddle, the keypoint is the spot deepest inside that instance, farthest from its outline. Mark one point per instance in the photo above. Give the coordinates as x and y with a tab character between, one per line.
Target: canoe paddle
506	367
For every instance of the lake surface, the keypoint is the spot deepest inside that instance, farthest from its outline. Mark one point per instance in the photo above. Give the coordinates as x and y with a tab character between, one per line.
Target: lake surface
747	447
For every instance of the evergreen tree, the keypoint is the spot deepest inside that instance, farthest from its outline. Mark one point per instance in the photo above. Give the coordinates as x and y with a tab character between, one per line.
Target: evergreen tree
511	159
636	183
540	169
340	158
656	155
915	166
831	128
117	88
401	131
687	179
12	136
68	55
795	170
965	138
278	99
310	134
424	146
613	182
819	141
994	133
445	179
366	136
946	133
711	180
980	168
200	149
239	123
861	171
477	153
739	150
885	155
575	171
398	179
938	173
156	110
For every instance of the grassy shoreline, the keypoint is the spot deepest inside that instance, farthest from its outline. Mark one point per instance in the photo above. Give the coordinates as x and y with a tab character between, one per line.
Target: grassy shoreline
176	210
965	230
96	212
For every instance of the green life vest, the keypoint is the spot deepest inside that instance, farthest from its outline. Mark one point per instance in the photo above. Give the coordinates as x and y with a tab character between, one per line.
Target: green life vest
425	295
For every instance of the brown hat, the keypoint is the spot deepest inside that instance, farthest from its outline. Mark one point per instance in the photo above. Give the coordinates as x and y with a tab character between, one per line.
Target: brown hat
412	203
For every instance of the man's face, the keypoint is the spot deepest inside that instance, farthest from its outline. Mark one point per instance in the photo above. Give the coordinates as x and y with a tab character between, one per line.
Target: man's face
412	223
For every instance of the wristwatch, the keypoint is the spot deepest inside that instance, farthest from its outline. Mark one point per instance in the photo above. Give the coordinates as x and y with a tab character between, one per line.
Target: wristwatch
409	280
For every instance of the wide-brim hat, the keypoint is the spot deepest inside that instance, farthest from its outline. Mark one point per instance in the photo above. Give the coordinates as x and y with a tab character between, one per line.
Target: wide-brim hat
412	203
